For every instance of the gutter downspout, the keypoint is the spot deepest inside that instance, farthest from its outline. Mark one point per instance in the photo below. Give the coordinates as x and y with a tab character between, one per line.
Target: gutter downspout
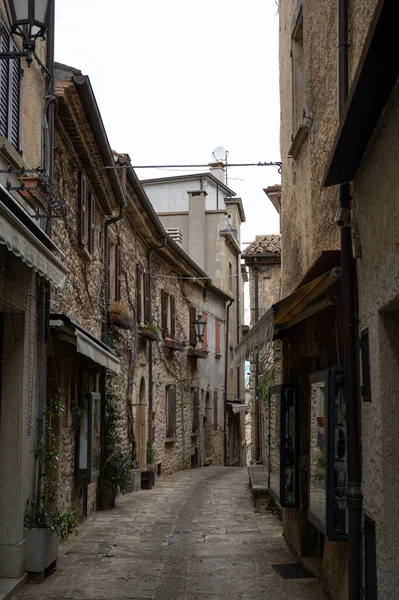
150	353
256	390
107	224
226	366
44	290
238	340
354	495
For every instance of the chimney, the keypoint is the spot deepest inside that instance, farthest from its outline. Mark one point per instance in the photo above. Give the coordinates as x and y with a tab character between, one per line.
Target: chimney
197	226
217	169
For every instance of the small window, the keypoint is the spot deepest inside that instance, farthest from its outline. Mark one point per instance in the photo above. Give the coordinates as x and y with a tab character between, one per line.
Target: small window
86	215
218	348
205	336
168	315
192	318
143	296
118	270
88	434
10	91
215	411
365	349
170	410
196	408
298	75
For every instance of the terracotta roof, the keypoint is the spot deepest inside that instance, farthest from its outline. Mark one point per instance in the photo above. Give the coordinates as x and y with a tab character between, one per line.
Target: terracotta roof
264	244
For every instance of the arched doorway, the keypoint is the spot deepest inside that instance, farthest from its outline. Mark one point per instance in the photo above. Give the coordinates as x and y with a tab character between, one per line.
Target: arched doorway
141	424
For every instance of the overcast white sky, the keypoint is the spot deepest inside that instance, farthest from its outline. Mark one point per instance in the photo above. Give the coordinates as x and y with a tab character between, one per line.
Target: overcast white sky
175	79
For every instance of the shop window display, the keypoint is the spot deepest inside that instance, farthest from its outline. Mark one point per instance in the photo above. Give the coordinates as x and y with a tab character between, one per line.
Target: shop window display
328	454
284	444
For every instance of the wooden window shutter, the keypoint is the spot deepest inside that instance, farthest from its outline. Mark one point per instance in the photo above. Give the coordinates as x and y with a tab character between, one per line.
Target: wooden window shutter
139	293
10	91
205	336
91	224
215	411
217	337
81	208
172	317
192	317
147	299
164	314
15	95
108	272
5	82
173	423
195	398
118	271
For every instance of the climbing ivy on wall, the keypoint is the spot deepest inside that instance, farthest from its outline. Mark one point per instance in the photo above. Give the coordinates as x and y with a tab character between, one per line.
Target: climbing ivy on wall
118	459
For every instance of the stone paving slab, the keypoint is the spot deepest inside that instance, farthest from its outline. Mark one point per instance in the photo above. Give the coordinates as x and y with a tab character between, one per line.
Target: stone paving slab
194	536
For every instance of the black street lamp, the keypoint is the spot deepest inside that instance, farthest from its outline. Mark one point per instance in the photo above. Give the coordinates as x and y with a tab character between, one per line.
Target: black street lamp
29	19
199	326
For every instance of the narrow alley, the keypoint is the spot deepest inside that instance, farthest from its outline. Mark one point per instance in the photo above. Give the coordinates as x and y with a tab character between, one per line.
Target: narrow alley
194	536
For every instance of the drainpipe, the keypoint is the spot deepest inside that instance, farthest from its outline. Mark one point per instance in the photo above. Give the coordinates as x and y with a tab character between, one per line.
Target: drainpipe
226	366
107	225
150	353
256	391
354	496
41	374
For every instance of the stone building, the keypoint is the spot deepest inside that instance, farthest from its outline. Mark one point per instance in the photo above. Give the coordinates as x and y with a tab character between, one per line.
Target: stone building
123	355
263	259
337	318
30	264
203	215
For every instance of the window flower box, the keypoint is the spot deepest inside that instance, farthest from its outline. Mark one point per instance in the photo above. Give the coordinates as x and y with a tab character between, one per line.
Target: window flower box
174	345
197	352
149	333
118	316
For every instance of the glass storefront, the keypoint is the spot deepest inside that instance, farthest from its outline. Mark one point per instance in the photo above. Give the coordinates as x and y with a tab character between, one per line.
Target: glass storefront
328	454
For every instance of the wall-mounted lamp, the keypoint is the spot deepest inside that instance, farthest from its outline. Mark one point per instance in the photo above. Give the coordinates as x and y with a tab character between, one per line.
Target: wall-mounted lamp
29	19
199	326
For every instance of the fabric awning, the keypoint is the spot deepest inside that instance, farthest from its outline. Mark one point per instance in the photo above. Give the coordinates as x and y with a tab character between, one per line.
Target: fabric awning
238	408
96	353
292	309
86	344
22	241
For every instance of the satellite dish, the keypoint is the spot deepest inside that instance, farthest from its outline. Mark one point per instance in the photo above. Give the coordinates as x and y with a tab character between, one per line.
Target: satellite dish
219	153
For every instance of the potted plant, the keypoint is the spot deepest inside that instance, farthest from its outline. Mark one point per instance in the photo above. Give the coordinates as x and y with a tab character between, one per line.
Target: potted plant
151	457
44	524
118	315
134	483
44	527
149	332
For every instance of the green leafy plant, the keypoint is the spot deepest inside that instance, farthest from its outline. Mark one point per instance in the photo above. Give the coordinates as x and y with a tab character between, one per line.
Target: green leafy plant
77	413
151	453
321	461
118	307
118	460
41	511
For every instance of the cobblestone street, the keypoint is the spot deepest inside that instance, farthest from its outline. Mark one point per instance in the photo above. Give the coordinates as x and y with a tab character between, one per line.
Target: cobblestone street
195	536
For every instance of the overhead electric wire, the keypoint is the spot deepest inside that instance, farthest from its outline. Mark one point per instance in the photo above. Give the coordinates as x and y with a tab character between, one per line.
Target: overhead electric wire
198	166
